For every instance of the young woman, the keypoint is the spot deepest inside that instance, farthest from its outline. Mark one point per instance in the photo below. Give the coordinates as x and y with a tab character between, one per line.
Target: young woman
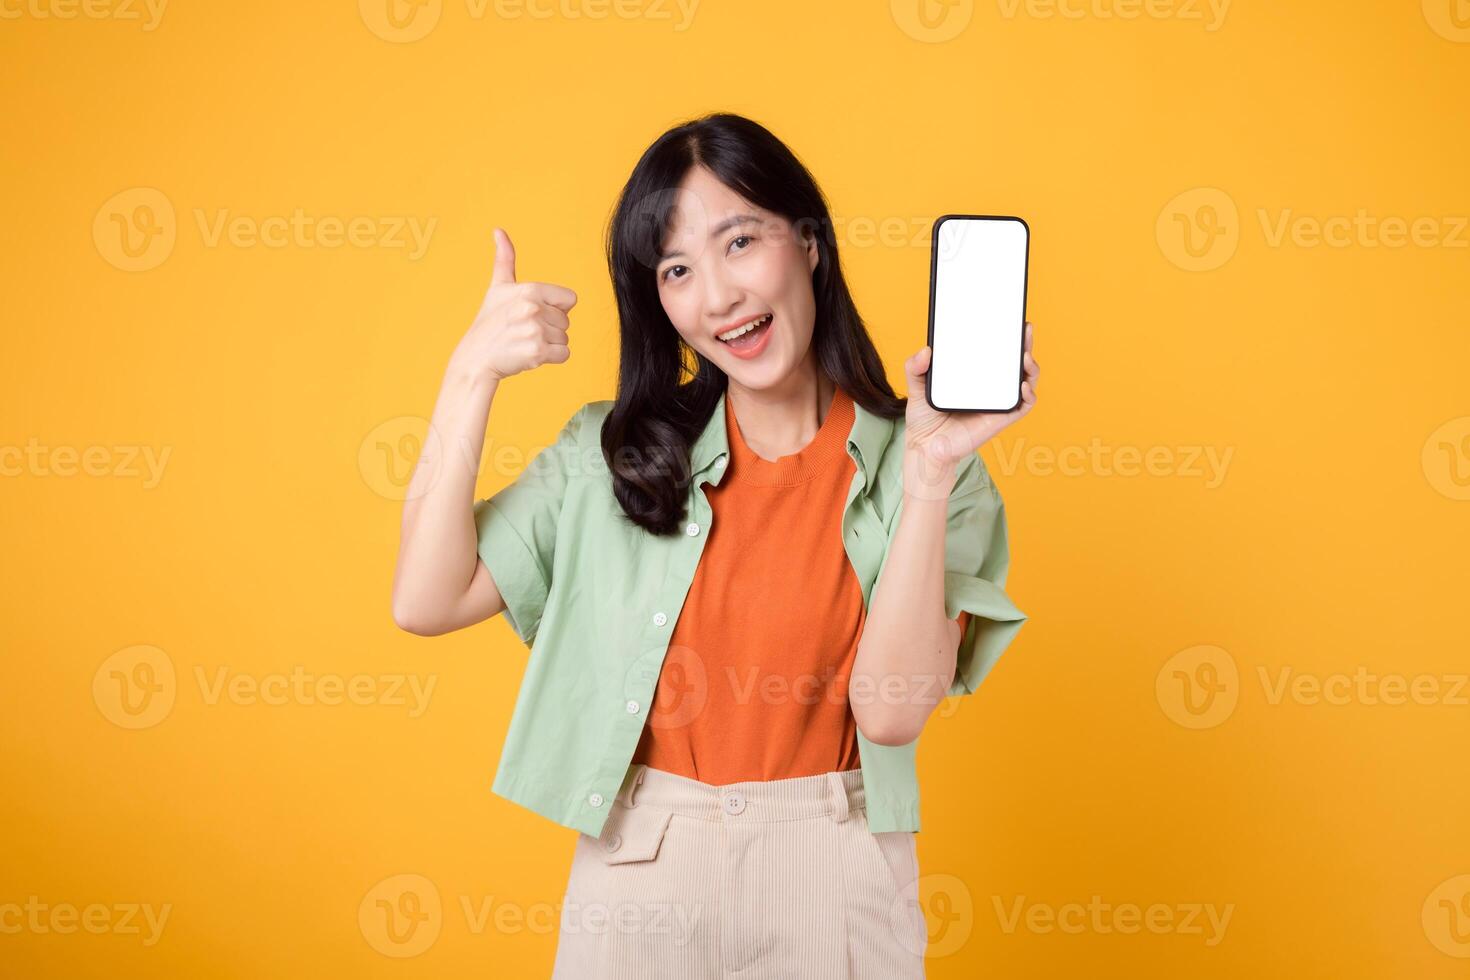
746	582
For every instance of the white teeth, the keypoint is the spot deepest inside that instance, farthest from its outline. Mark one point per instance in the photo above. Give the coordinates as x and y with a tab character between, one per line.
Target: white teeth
740	331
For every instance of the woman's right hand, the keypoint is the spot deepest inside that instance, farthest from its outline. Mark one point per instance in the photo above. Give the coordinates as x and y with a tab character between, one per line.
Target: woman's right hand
521	325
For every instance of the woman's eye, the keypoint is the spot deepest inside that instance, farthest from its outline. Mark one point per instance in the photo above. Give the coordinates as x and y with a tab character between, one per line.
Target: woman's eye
740	238
670	272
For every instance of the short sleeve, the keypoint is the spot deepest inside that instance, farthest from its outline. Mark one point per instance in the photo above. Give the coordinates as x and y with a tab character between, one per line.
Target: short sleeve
976	559
517	528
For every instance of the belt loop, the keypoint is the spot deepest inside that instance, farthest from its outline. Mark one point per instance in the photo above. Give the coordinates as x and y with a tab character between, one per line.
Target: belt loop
838	792
632	785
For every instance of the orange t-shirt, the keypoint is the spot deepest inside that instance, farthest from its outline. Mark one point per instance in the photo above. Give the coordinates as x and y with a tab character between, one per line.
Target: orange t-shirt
754	684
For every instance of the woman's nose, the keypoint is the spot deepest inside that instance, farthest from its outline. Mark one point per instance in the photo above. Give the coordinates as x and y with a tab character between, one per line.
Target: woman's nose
721	296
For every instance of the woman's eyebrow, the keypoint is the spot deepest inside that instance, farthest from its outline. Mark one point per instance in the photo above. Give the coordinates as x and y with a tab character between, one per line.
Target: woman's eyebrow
720	229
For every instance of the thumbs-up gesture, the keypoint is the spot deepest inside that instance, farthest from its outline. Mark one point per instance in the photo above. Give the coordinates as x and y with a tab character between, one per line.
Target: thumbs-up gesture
520	325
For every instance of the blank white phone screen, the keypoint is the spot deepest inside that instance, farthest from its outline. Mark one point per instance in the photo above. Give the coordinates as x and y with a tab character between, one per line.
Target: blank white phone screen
979	302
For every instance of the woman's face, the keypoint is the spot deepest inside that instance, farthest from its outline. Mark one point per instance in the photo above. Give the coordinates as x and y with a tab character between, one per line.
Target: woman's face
727	263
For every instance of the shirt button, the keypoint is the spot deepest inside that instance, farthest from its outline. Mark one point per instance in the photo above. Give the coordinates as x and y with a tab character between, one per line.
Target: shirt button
720	463
632	707
734	802
659	619
692	530
613	843
595	799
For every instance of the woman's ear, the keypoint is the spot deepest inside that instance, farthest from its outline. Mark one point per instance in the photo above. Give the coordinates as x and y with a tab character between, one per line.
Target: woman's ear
812	255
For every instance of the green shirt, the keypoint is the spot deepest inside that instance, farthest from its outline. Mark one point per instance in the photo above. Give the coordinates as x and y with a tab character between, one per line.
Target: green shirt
596	597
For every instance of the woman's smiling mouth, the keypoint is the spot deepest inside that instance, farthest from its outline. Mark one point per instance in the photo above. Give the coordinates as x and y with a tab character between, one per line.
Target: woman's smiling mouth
749	338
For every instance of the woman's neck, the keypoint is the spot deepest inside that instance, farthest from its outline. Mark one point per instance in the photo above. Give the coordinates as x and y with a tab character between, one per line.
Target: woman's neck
781	420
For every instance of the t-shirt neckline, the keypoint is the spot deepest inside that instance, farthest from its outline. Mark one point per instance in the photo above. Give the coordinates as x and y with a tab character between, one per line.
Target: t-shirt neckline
805	464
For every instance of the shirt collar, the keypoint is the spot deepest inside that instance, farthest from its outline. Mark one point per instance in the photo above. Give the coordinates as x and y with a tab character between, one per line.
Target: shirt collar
865	442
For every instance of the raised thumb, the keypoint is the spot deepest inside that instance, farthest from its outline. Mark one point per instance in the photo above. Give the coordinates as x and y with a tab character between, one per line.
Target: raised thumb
505	259
916	365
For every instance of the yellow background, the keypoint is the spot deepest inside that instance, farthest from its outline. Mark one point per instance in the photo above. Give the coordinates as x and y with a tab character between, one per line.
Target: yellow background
1333	543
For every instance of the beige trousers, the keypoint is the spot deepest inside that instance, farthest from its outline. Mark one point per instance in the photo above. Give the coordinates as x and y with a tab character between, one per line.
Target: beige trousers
763	880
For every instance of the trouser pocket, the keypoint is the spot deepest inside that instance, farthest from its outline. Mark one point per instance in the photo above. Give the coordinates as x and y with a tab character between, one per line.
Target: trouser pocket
894	859
630	833
639	902
899	851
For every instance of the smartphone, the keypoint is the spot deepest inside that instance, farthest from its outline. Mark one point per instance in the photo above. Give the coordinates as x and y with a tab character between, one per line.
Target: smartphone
977	312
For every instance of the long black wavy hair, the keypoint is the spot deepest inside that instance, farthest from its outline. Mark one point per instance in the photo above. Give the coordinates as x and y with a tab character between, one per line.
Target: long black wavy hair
663	403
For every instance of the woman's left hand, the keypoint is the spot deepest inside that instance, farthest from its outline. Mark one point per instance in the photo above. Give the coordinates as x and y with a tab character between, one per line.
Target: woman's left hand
942	439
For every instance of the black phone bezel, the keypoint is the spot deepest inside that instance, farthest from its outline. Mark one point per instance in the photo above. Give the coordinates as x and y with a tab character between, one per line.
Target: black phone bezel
1025	291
